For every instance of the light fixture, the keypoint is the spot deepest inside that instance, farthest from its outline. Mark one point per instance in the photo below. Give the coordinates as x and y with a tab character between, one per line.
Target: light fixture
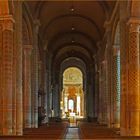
72	40
72	28
72	7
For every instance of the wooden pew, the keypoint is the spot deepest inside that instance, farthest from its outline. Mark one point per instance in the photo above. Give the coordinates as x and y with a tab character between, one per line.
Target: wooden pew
94	130
51	131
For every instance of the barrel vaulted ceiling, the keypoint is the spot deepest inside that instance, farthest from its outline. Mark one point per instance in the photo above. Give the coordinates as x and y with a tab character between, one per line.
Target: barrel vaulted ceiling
71	25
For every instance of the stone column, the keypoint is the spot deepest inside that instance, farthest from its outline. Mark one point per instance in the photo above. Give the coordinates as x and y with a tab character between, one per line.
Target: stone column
100	96
34	75
18	66
130	116
124	77
116	86
47	96
1	88
133	109
96	88
6	59
44	86
108	75
49	86
56	102
27	85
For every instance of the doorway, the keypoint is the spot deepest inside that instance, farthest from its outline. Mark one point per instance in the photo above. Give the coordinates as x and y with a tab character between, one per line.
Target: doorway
72	95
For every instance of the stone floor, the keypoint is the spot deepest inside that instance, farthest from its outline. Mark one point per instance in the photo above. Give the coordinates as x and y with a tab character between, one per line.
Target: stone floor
72	134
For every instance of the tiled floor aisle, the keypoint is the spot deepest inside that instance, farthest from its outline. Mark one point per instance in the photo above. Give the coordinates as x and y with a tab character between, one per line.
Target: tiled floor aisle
72	134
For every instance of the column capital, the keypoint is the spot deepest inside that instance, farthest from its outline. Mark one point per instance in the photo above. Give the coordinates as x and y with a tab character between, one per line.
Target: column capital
116	50
134	24
27	49
37	24
107	26
39	65
99	44
132	20
7	22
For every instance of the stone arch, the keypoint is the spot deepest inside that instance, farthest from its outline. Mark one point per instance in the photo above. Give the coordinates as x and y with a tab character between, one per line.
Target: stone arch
26	28
117	34
116	31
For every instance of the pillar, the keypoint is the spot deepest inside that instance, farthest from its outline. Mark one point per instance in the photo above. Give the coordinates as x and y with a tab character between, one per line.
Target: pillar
102	94
1	100
44	86
116	86
96	88
34	75
6	59
100	115
124	76
133	109
18	119
56	101
129	52
66	102
108	57
27	49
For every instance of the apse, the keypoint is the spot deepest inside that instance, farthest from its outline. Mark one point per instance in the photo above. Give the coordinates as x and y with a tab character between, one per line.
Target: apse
72	96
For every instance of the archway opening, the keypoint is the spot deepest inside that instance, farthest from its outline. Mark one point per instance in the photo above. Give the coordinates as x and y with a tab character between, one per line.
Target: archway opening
72	96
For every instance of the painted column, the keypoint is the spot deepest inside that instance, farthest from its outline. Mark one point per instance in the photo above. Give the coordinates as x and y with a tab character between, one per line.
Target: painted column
27	85
116	86
6	59
129	50
134	77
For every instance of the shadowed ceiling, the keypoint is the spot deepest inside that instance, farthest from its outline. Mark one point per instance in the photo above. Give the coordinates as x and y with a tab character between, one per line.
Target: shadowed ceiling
71	26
